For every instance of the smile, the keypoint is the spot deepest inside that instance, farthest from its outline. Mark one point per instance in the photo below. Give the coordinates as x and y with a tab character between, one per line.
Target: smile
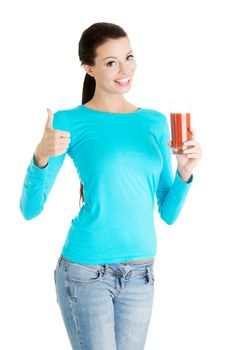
122	82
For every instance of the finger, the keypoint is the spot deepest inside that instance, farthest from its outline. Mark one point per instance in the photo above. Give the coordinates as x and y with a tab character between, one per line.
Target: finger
191	143
191	150
193	133
49	122
62	134
193	155
63	141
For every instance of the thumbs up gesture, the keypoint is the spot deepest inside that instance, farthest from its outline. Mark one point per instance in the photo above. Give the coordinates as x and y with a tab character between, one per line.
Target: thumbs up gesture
53	143
50	117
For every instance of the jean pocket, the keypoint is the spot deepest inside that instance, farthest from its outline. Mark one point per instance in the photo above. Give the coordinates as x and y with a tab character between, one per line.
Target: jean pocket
87	274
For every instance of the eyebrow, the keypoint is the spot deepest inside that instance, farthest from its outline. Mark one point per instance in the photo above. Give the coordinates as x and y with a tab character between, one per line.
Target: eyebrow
115	57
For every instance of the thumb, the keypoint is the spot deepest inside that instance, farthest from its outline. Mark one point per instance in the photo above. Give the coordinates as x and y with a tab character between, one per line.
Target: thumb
49	122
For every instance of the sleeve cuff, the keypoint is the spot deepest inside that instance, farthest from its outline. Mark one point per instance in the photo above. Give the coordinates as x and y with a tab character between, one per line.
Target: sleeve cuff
180	186
36	171
186	183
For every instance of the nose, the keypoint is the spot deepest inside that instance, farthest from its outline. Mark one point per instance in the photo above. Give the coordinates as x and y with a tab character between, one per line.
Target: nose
123	69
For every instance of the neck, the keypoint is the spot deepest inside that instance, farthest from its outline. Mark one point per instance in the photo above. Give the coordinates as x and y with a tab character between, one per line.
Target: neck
114	103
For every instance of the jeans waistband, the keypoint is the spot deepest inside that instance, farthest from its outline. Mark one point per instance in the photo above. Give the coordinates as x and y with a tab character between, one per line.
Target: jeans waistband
136	269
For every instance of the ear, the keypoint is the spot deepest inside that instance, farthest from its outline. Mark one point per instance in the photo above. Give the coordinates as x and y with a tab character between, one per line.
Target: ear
88	69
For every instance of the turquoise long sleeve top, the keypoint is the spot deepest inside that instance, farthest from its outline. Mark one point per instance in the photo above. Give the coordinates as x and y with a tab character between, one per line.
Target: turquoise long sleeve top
124	163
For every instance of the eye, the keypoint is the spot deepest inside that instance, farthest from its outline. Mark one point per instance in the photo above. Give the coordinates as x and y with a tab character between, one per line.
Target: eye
109	63
130	56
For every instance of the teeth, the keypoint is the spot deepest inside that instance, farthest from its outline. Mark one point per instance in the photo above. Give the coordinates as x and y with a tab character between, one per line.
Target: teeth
123	80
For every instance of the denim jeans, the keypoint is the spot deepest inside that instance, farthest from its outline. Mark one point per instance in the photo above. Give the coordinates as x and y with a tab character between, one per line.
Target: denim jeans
105	307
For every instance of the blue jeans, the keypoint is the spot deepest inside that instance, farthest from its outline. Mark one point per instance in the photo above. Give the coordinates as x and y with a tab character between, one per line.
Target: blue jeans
105	307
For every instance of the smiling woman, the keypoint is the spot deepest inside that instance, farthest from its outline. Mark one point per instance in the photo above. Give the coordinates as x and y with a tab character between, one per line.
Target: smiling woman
107	57
104	276
118	69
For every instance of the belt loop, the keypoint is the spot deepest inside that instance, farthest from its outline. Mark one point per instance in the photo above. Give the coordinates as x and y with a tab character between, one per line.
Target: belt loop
105	269
149	274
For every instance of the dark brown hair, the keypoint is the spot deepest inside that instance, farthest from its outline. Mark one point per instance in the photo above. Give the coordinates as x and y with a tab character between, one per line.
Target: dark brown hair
94	36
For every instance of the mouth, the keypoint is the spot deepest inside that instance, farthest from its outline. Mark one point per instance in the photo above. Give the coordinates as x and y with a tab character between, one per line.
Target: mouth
122	82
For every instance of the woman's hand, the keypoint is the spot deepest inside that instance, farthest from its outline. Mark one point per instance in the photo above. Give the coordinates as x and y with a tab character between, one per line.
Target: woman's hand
53	143
190	157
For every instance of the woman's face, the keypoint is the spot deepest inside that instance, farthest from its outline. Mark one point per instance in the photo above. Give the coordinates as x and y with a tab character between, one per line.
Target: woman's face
114	61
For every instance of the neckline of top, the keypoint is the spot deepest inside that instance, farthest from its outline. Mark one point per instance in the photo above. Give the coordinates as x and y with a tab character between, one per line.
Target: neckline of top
109	113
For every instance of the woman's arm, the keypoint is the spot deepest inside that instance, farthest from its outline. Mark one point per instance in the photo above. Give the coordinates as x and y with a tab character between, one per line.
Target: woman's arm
37	185
172	189
40	176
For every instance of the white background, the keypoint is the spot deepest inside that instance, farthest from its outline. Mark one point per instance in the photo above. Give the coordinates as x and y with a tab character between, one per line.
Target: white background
183	49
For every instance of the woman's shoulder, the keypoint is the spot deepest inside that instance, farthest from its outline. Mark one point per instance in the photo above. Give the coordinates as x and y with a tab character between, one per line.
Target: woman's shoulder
69	110
67	115
155	114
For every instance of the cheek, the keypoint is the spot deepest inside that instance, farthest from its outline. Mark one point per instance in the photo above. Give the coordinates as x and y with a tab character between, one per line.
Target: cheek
105	76
134	66
111	76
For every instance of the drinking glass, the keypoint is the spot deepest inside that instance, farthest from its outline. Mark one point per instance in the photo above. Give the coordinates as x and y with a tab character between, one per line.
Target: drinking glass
180	116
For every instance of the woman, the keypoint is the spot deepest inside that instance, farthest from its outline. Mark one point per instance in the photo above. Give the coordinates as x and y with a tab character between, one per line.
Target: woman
104	276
